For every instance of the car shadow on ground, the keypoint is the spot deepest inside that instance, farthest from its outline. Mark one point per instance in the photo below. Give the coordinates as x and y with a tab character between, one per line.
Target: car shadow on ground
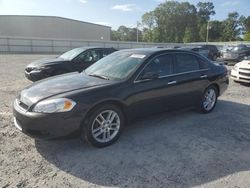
179	149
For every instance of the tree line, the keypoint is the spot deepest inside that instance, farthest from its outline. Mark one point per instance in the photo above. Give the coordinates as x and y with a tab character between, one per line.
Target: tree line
180	22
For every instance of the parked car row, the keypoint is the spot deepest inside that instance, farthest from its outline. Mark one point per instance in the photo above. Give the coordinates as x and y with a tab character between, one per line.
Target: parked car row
79	59
98	102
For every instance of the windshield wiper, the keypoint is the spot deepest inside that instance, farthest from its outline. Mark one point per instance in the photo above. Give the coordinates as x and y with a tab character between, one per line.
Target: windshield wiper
99	76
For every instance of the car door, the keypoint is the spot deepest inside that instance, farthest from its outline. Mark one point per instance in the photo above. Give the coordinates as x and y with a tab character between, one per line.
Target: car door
190	79
151	87
87	58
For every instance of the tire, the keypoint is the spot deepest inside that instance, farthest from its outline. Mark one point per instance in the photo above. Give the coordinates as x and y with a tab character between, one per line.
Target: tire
104	126
208	100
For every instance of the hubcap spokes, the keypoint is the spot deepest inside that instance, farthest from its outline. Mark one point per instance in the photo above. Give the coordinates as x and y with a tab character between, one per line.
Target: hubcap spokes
105	126
209	99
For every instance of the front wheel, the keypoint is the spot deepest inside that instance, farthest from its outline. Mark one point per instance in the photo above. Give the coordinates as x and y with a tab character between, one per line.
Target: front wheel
209	100
104	126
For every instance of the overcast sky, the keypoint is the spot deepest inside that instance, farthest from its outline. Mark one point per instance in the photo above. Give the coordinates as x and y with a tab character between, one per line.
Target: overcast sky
108	12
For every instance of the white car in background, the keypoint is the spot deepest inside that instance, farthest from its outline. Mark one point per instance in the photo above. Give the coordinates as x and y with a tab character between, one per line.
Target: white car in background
241	71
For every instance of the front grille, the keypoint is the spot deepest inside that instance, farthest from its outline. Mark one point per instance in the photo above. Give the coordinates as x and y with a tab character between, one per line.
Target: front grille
245	69
244	74
248	79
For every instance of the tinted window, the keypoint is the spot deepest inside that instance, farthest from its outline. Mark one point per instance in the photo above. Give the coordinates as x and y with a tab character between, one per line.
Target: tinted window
203	63
161	65
90	56
186	63
107	52
69	55
96	54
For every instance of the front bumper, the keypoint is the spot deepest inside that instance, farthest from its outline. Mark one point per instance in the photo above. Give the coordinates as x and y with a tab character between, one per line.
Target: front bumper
240	75
39	125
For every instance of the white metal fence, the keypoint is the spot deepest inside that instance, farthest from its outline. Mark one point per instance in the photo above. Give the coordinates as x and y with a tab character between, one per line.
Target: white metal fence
54	46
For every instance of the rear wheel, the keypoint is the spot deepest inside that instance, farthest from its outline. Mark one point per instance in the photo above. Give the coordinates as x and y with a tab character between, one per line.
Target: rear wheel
104	126
209	100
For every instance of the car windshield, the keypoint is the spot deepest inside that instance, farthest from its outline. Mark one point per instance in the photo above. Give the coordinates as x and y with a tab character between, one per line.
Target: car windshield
116	66
69	55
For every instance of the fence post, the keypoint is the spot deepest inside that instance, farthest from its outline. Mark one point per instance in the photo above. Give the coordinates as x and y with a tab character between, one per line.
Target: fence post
8	44
53	49
31	46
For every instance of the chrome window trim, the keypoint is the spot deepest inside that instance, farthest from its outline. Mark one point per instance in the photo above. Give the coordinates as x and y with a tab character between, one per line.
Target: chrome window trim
176	74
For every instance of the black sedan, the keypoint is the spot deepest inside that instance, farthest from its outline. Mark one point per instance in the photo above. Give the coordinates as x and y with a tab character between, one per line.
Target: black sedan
98	102
77	59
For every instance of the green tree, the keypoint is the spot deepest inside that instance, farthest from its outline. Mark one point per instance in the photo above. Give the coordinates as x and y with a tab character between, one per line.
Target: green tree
205	11
190	35
216	31
246	24
231	27
171	19
247	36
124	33
148	21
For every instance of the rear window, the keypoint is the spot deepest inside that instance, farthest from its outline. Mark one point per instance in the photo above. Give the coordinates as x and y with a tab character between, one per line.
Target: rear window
186	63
203	63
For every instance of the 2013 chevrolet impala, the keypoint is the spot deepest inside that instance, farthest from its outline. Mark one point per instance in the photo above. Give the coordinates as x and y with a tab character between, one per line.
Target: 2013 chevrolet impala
126	84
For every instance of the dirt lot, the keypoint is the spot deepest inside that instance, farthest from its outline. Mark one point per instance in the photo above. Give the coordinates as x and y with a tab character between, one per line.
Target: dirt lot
177	149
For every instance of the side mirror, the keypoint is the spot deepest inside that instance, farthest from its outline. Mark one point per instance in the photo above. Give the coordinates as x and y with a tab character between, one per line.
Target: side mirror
149	76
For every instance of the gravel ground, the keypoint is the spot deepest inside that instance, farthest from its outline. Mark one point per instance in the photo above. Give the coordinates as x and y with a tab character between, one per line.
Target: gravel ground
177	149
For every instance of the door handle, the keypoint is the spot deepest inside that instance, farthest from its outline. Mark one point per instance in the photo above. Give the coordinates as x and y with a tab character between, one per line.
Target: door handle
203	76
172	82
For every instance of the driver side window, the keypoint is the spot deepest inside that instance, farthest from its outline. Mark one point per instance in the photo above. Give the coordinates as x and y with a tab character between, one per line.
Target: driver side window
158	67
90	56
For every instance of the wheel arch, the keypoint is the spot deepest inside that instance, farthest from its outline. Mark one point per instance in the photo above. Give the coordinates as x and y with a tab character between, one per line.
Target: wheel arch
216	86
114	102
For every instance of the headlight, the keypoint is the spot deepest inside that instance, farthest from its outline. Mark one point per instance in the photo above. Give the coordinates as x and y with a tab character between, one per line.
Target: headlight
54	105
235	67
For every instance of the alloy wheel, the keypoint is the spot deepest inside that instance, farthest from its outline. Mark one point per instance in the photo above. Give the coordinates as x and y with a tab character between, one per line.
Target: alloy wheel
105	126
209	99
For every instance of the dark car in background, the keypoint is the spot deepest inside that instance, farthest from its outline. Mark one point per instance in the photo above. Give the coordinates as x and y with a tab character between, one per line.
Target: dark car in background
236	54
213	53
98	102
200	50
76	59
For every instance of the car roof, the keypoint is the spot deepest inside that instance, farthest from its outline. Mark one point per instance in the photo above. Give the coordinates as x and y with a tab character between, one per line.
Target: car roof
151	51
96	47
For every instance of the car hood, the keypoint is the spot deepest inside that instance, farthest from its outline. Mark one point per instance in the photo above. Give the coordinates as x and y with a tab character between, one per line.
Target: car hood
58	85
244	64
46	61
